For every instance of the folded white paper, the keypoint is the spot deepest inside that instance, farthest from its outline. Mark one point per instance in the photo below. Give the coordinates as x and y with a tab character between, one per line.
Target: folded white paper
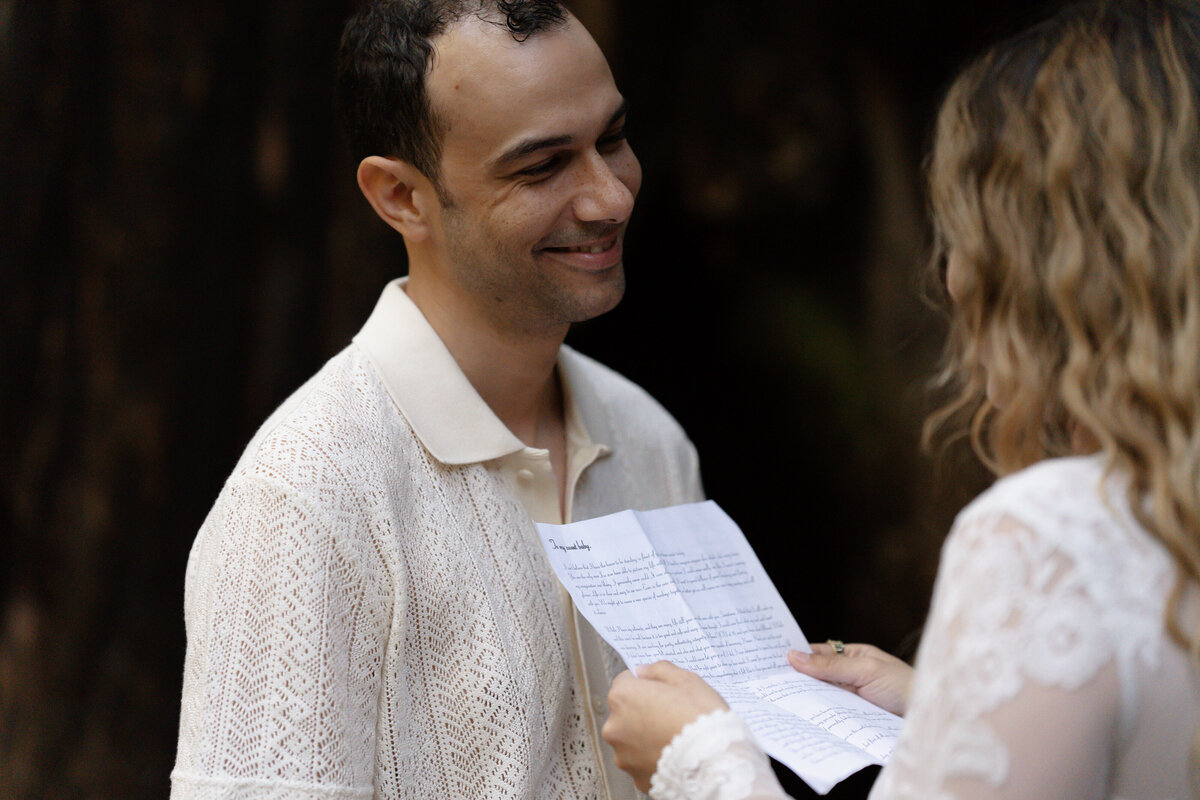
682	584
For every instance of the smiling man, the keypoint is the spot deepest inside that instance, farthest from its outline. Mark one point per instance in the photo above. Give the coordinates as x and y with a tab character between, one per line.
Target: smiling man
369	610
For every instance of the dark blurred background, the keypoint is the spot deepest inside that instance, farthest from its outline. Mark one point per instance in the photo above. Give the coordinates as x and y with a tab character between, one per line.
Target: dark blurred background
182	244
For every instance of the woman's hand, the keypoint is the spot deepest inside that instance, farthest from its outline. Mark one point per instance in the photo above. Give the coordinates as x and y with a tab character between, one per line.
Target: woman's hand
863	669
646	712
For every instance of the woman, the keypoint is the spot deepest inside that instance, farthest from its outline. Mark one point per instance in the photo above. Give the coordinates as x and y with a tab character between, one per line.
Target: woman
1061	658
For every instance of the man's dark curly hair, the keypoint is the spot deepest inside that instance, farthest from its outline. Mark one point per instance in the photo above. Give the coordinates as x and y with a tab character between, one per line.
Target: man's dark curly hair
384	60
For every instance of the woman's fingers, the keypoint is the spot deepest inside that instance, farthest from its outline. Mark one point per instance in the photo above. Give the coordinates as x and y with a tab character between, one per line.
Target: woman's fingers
850	649
646	712
845	668
663	671
864	669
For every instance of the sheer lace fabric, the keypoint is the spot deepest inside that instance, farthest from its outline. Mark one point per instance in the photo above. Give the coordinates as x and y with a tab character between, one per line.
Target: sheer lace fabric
713	758
1045	670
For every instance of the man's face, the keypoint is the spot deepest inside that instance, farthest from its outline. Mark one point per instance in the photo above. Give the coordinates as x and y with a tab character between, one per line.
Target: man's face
539	178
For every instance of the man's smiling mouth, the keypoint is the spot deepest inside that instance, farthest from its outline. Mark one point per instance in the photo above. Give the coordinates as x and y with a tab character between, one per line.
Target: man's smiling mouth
594	249
596	255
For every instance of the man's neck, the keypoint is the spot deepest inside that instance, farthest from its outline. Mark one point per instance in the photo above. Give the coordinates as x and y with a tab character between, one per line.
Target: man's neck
513	371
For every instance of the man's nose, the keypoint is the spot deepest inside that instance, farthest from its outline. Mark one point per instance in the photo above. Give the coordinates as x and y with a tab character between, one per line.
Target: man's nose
607	189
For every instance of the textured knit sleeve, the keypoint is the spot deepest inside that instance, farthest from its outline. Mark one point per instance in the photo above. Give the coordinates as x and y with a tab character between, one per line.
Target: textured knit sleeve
285	630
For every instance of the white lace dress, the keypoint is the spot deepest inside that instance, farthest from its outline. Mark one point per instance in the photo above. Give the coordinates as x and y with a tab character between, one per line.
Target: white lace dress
1045	670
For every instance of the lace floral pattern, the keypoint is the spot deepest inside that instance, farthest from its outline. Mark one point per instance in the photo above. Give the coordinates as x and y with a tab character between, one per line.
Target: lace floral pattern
702	763
1045	670
1045	579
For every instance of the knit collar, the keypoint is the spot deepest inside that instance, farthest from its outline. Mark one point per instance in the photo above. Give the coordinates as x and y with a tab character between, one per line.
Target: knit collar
452	421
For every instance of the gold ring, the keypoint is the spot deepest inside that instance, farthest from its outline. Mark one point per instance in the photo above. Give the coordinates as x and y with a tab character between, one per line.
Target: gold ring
838	645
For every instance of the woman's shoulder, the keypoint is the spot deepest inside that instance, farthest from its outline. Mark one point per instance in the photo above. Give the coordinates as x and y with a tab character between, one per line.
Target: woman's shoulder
1071	511
1056	493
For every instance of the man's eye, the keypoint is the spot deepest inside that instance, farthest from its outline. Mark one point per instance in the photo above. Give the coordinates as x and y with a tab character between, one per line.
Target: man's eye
612	140
542	167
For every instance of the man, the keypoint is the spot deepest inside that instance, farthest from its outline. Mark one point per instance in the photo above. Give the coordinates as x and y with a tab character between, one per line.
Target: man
369	610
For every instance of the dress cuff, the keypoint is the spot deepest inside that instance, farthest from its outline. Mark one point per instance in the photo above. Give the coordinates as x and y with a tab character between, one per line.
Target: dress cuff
705	762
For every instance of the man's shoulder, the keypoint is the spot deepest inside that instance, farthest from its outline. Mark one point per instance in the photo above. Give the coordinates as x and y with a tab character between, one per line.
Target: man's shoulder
607	397
651	461
341	414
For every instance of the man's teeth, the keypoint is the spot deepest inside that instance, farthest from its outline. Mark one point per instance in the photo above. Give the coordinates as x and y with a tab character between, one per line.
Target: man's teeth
593	249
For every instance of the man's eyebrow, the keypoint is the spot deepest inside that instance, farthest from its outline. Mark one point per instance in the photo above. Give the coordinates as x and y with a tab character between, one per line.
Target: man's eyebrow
530	146
621	111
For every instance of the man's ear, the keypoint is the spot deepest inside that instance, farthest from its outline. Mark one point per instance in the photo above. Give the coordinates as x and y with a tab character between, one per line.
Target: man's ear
400	194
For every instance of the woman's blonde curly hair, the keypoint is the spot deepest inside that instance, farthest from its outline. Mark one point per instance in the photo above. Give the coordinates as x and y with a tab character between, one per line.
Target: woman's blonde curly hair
1065	180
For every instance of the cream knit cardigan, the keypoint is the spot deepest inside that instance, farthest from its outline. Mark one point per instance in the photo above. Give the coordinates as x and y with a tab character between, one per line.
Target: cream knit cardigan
366	621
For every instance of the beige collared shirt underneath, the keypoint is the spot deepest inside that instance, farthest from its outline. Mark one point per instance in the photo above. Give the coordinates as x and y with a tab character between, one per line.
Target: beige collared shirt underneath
534	484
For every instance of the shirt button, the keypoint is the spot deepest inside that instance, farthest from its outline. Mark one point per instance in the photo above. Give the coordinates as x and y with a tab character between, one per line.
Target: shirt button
525	475
598	704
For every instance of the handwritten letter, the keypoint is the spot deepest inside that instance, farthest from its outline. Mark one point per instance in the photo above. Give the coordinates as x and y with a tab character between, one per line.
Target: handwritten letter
682	584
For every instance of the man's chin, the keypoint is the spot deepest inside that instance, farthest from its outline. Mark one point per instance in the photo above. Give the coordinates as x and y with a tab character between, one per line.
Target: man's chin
599	298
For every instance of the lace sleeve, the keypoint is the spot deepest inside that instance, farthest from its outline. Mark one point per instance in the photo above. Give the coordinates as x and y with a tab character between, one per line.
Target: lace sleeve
714	757
281	676
1046	621
1017	692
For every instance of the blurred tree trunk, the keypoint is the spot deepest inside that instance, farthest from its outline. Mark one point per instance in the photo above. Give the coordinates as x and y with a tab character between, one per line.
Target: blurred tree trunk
166	175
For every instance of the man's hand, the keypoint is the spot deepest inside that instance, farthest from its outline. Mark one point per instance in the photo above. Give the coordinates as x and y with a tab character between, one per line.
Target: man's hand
646	712
864	669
